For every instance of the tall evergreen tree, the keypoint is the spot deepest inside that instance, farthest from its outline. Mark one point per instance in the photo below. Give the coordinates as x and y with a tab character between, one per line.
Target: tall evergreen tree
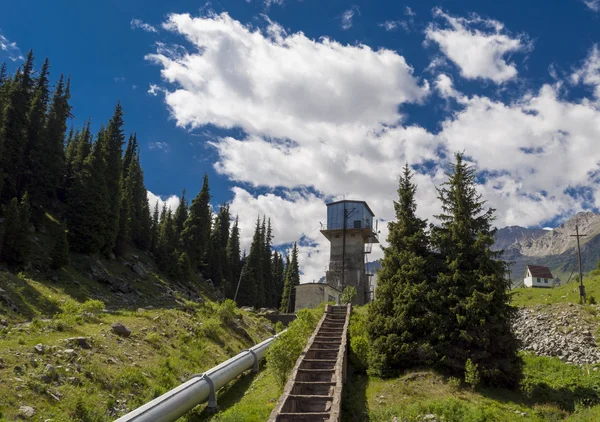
154	229
112	144
401	319
130	152
473	300
270	294
139	209
167	255
251	292
54	136
277	268
87	201
196	231
292	279
217	255
13	132
37	177
233	260
181	214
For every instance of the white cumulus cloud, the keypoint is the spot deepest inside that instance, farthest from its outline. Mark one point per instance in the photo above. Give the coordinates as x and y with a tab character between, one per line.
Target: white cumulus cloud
478	46
589	73
172	202
593	5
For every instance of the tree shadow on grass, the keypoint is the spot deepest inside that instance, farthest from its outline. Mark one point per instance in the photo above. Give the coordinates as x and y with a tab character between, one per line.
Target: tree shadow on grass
355	407
24	301
227	397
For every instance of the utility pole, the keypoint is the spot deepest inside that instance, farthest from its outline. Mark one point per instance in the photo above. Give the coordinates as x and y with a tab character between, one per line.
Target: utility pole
239	281
581	287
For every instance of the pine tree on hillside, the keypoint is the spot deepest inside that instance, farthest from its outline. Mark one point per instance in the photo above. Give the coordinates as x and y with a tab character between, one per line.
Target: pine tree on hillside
196	231
292	279
181	214
270	293
401	319
251	292
473	299
277	269
60	251
13	132
167	255
16	245
234	266
87	201
36	177
130	152
124	232
217	253
112	144
139	209
154	228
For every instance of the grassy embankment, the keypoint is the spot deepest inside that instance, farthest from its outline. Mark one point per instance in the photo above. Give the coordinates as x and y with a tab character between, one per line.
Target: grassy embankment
550	391
170	340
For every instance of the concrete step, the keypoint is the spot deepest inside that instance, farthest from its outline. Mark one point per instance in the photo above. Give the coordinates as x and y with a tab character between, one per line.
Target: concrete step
318	363
303	417
312	375
321	354
326	344
307	404
313	388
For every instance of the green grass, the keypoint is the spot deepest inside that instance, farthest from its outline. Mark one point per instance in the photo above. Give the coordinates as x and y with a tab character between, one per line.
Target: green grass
569	293
116	375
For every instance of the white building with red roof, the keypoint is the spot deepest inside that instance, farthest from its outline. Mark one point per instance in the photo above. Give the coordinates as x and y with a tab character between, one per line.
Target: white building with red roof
538	276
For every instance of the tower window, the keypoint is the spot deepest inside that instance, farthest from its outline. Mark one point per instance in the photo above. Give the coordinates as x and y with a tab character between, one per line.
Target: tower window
357	224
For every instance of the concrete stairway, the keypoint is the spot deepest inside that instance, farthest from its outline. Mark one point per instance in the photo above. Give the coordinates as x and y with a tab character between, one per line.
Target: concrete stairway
314	390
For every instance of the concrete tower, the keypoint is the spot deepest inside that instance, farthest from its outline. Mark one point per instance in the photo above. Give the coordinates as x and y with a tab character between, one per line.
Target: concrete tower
351	233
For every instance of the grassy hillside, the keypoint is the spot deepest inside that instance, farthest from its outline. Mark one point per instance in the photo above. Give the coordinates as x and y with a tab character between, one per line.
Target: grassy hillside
106	375
523	296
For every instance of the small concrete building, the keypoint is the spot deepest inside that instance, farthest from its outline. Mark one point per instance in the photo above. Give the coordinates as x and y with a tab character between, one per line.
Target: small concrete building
351	232
309	295
538	276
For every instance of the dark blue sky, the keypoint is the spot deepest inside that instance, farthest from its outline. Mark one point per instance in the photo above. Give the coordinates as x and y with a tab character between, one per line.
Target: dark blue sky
95	44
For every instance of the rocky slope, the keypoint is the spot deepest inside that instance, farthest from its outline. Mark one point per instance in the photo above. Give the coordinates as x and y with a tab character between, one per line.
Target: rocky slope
555	248
565	331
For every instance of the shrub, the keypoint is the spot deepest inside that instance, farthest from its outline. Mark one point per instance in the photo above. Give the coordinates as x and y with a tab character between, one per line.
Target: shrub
592	300
279	327
284	351
471	374
226	311
359	341
454	383
349	295
211	328
92	306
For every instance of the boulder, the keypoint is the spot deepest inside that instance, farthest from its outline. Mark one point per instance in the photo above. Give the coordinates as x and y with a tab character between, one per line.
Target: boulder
39	348
79	341
139	269
26	412
121	330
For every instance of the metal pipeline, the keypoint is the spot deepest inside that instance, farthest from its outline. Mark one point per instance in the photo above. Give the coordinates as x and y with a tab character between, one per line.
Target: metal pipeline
180	400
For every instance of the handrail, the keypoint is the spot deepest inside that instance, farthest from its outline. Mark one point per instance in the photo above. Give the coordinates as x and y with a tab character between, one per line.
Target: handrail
180	400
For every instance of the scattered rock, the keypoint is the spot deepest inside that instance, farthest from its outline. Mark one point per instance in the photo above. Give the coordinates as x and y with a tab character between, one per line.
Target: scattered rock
70	352
139	269
39	348
6	299
559	332
79	341
120	329
26	412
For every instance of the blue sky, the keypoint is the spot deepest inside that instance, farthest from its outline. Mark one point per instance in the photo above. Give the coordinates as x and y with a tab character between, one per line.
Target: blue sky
287	104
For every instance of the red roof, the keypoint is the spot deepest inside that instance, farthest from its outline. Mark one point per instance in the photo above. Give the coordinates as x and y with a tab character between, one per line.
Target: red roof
539	271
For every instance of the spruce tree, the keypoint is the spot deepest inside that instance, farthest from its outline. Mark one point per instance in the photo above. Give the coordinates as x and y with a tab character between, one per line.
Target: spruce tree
292	279
130	152
277	268
60	251
13	132
401	319
154	228
37	178
139	209
87	201
270	294
251	291
167	255
217	254
473	289
181	214
233	260
112	144
195	236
